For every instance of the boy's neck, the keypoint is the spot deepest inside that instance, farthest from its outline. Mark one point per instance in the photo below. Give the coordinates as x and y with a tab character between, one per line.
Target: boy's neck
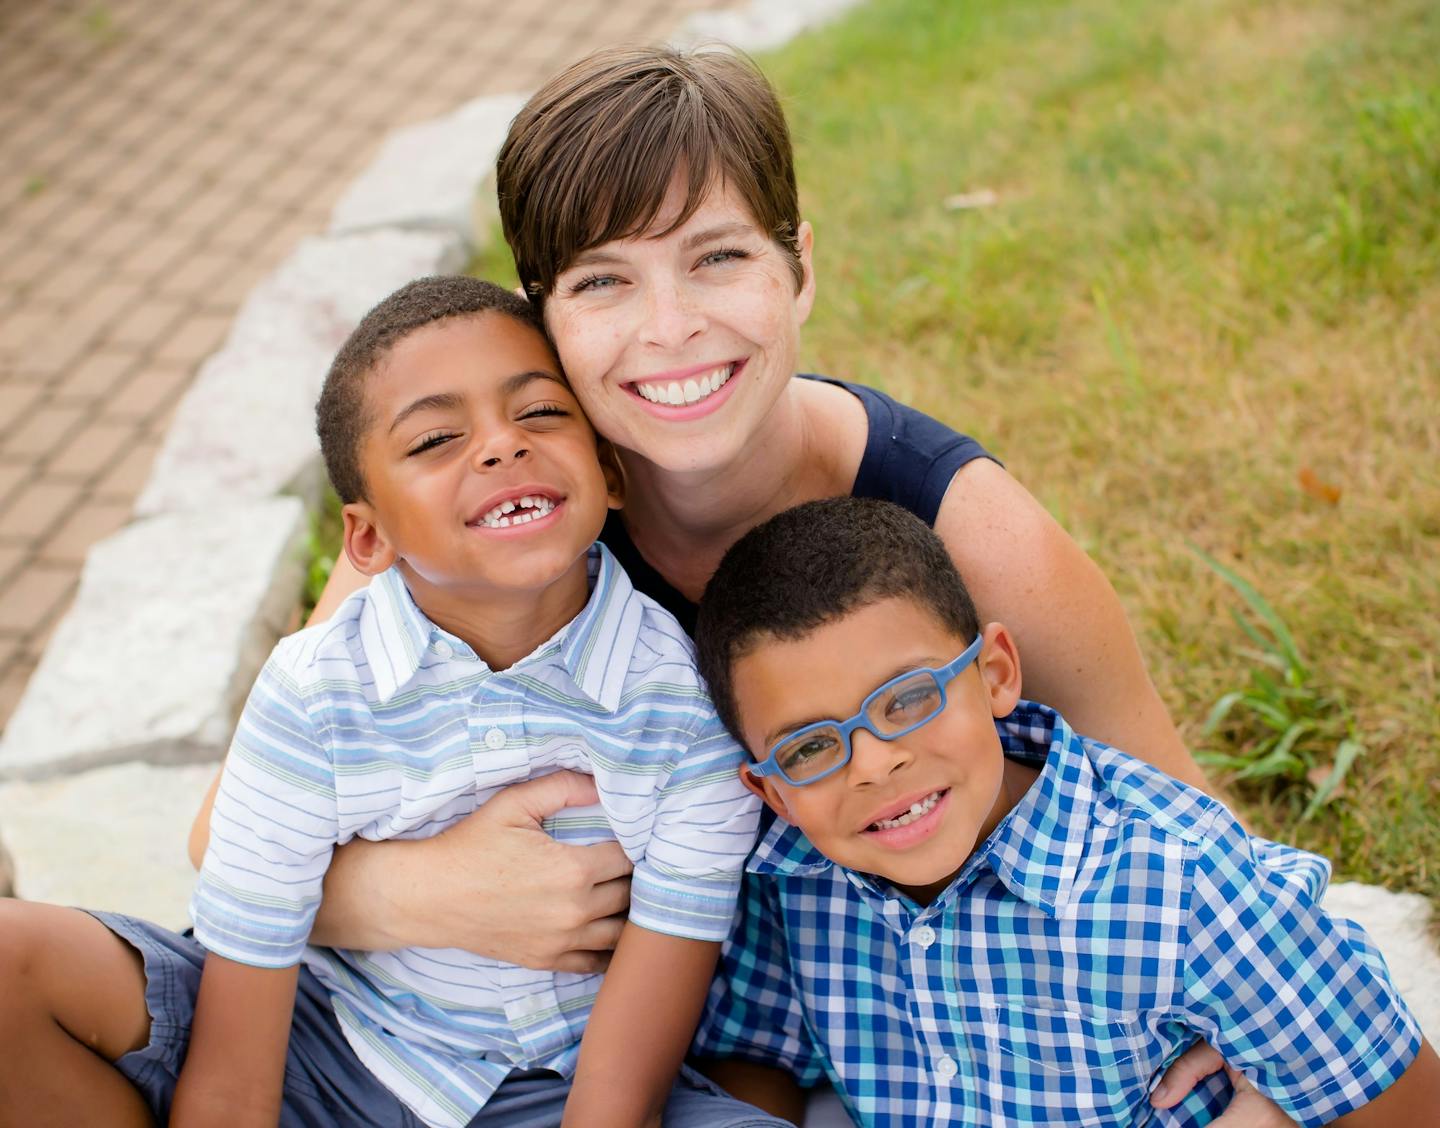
502	626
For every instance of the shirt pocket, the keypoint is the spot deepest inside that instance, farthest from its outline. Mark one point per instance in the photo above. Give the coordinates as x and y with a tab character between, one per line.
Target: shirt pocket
1059	1066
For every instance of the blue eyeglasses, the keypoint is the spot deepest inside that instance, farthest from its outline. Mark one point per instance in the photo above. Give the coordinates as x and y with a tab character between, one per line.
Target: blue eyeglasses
901	705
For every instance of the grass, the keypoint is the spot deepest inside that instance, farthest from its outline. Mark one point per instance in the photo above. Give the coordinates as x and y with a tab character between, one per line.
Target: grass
1204	311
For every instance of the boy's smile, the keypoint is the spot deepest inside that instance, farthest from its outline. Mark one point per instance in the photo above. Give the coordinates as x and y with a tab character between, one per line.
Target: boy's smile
481	473
910	810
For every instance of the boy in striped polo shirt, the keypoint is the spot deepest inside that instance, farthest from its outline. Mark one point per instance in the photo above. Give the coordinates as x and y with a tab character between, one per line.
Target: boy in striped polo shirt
964	913
496	642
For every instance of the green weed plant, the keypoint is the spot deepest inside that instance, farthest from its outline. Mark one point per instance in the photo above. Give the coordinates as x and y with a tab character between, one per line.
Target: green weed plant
1279	728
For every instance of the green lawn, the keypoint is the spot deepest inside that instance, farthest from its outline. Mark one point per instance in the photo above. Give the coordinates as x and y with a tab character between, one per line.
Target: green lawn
1203	310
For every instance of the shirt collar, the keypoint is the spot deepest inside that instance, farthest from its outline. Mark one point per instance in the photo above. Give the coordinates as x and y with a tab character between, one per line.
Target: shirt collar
594	648
1036	849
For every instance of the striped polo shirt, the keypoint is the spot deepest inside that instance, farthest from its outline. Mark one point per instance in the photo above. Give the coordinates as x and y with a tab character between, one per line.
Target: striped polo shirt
378	724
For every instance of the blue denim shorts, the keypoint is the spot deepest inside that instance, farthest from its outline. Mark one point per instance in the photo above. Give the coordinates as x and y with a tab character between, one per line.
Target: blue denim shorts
326	1085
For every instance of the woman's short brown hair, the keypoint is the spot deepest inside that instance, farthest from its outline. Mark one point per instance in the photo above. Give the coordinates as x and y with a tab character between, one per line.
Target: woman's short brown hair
590	156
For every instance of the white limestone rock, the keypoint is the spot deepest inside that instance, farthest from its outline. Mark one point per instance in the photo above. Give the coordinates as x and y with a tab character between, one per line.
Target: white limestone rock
428	175
1399	924
113	838
7	873
759	25
246	428
172	621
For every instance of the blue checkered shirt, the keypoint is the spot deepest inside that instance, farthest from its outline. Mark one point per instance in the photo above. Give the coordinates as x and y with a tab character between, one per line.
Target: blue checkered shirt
1114	916
378	724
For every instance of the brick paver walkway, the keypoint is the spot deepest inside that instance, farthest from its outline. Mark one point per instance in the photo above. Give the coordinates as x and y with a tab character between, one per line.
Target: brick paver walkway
157	158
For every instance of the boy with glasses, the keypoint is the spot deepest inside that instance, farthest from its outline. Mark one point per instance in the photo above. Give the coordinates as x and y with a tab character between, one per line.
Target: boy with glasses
964	912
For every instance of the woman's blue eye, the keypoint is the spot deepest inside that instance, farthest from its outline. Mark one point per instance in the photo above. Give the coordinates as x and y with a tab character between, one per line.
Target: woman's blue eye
594	282
724	254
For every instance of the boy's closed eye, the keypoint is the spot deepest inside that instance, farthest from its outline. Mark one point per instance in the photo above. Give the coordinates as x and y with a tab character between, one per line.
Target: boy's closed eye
430	441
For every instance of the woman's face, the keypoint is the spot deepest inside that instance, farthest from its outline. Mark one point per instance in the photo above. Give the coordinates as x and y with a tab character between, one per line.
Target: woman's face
679	346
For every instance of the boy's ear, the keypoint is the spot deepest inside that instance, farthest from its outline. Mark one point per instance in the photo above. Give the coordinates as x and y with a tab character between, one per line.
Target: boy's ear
365	541
999	665
613	471
767	791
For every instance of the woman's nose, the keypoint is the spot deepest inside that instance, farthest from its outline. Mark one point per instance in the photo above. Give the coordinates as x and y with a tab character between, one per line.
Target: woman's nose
872	760
672	316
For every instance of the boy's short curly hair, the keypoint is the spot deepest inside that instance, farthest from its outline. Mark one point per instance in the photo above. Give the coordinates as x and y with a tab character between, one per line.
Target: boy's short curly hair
814	564
342	417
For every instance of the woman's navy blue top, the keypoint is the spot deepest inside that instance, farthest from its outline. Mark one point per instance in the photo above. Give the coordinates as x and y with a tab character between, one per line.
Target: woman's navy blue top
909	459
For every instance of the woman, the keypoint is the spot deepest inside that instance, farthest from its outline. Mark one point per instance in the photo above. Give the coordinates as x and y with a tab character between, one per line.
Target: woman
650	201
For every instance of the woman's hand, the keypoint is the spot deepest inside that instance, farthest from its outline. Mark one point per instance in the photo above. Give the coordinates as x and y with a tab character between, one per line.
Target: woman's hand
1248	1108
495	884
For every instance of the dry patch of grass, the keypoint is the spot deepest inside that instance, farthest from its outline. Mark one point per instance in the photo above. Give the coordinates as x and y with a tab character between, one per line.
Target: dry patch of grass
1205	311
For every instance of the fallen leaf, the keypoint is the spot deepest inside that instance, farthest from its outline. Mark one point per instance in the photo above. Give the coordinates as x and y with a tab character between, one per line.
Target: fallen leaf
980	198
1318	488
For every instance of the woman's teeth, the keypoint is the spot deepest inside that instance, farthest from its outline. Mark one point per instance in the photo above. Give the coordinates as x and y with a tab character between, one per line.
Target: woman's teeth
925	806
533	508
679	392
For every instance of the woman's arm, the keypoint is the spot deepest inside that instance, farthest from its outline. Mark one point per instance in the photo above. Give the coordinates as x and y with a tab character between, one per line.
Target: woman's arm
495	883
1077	650
637	1035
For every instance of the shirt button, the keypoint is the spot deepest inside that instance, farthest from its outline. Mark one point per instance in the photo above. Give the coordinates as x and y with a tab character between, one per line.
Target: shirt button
924	936
945	1067
495	739
443	648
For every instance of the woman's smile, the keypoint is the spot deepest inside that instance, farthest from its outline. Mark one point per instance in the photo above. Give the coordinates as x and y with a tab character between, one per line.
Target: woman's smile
690	394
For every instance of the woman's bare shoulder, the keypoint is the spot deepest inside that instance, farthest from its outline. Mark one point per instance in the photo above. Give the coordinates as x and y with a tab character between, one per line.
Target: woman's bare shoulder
836	429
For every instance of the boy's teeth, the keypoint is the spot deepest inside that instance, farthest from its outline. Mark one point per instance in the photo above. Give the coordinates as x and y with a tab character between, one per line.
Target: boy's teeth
916	810
678	392
532	509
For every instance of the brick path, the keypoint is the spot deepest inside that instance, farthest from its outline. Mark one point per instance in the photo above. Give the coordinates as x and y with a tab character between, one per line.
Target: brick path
157	158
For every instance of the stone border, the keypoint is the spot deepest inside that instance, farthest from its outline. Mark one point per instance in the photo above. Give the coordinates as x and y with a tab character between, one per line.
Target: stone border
176	612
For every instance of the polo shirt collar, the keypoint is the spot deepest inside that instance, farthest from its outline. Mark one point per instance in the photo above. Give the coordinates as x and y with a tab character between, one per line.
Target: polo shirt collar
395	635
594	648
597	645
1037	848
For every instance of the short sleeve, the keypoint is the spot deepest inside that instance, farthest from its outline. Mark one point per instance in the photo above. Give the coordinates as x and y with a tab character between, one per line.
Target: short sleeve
1298	1000
272	832
753	1012
704	828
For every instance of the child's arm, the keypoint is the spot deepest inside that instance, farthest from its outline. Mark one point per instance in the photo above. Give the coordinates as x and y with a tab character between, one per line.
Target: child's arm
1414	1098
235	1067
637	1035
